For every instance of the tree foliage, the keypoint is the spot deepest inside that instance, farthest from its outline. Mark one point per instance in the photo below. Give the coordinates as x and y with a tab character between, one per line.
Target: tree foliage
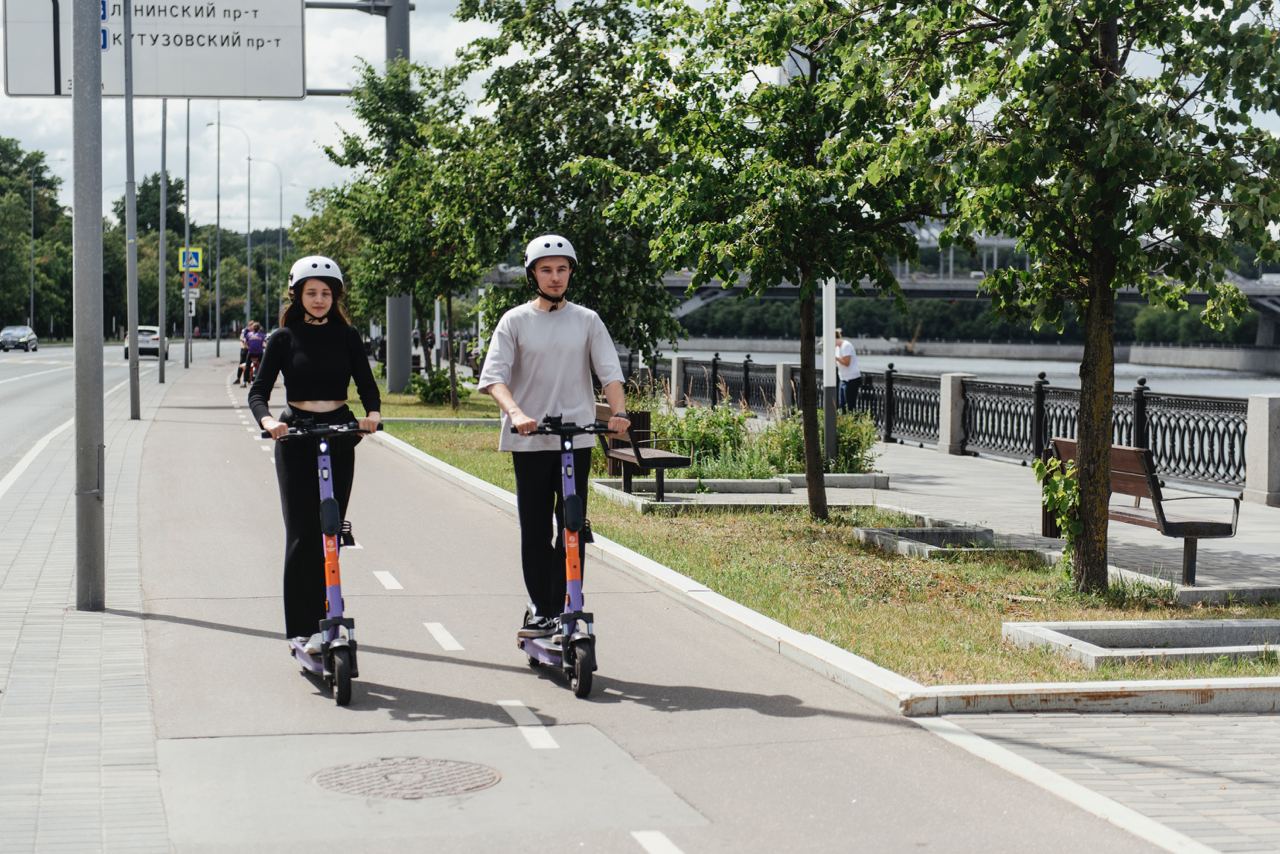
557	77
1115	140
796	178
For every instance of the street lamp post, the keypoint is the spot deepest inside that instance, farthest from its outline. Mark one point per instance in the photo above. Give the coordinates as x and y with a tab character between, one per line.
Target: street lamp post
280	233
31	308
248	217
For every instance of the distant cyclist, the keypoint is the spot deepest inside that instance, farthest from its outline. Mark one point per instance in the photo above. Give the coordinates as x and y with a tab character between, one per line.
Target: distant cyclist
254	340
540	362
319	353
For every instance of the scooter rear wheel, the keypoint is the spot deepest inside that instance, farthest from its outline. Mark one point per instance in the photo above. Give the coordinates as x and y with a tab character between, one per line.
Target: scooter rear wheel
342	676
584	664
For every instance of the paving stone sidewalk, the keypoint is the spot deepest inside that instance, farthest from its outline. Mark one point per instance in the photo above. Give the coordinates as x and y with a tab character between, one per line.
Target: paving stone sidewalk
76	735
1214	778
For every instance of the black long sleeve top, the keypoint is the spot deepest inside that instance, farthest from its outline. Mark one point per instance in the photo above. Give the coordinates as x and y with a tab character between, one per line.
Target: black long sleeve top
318	363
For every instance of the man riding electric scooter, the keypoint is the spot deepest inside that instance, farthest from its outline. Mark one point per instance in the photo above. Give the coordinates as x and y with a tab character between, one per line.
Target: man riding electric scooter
540	361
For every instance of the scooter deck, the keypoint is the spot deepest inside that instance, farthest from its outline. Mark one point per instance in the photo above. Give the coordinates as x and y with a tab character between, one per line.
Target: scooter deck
314	663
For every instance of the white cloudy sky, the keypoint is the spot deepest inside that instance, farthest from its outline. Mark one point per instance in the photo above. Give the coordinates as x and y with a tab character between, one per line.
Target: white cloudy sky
288	133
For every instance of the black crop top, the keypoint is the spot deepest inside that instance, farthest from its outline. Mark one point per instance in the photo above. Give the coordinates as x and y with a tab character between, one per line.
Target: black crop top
318	363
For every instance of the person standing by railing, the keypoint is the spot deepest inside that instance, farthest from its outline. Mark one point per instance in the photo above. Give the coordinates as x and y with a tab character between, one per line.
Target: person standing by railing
847	371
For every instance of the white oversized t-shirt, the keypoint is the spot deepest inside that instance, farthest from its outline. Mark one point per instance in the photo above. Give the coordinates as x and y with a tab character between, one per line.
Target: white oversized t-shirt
850	371
546	359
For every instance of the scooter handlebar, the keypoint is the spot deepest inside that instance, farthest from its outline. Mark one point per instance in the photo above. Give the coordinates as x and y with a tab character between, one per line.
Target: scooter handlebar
317	431
553	426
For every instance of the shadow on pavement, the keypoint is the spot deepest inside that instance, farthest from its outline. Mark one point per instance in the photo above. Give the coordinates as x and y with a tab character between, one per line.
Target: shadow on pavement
409	705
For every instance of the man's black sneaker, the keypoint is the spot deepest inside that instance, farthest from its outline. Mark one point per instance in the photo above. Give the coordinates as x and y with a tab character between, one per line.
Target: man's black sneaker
541	627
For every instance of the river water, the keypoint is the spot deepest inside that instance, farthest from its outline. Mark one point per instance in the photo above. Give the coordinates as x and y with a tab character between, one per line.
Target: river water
1197	381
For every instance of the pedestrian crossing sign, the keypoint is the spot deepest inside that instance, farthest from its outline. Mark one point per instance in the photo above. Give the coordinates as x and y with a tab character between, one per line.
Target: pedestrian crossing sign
191	260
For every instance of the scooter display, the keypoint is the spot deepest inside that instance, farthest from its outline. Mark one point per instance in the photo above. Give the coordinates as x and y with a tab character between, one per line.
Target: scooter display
335	663
572	649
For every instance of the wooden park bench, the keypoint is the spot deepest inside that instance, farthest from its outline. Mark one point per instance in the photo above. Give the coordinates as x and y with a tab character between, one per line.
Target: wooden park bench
637	451
1133	473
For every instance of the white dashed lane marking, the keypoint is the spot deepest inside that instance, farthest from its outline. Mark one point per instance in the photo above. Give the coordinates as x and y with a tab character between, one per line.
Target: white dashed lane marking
442	636
529	725
655	842
388	580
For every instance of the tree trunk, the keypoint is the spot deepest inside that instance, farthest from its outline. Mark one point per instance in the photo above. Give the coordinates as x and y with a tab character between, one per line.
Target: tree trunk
1097	367
813	473
1094	429
453	370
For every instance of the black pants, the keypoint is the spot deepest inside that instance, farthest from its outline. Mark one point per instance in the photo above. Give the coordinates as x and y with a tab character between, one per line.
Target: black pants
539	496
296	473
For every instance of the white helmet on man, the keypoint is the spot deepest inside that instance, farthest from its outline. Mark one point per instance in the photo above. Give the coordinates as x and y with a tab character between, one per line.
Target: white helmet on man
315	267
547	246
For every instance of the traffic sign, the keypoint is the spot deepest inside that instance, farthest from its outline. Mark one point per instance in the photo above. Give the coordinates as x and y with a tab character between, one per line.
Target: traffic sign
246	49
191	280
193	294
191	259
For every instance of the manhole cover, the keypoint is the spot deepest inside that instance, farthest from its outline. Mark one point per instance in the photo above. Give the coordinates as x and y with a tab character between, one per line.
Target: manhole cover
408	778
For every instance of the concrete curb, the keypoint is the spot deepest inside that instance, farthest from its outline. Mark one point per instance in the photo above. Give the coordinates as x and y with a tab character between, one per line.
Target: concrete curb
884	687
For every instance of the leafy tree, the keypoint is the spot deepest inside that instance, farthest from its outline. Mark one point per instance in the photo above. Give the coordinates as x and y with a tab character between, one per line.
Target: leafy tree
148	203
424	194
773	179
21	173
557	75
1115	139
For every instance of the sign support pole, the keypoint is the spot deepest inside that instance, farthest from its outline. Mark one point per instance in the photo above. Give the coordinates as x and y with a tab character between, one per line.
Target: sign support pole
163	354
186	251
131	221
86	112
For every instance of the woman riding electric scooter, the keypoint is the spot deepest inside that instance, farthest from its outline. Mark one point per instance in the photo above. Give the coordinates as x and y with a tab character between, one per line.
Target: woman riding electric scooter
319	353
540	361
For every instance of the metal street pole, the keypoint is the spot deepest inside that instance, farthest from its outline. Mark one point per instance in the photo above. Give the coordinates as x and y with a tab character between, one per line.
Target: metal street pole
186	248
217	258
248	234
131	222
31	308
830	378
399	306
163	353
280	235
86	133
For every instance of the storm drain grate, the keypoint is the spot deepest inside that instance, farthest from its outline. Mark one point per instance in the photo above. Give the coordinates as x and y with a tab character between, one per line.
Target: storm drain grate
408	778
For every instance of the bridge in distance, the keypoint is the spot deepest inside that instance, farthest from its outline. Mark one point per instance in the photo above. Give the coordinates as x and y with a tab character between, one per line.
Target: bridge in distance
1263	296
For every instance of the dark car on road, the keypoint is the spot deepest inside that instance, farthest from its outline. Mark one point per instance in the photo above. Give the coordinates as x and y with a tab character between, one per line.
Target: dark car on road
15	337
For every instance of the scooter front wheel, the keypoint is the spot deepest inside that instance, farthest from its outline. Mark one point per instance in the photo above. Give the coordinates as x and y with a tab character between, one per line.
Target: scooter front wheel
584	664
342	676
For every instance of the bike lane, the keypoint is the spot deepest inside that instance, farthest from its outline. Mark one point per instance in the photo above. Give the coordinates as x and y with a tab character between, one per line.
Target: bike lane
694	738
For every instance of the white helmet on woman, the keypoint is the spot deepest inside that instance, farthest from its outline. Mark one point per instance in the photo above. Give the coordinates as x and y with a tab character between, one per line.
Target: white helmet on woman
547	246
315	267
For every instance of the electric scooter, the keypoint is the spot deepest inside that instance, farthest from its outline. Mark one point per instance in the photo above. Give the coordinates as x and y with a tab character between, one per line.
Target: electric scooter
336	662
572	649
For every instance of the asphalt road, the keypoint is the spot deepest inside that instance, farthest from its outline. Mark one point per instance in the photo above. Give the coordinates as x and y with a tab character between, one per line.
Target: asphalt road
694	739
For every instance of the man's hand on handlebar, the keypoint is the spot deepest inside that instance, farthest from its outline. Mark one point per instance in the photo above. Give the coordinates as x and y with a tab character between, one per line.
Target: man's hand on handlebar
274	427
619	425
522	423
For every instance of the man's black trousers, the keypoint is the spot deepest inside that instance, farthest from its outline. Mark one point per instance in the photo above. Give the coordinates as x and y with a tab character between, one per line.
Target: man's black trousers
539	498
296	473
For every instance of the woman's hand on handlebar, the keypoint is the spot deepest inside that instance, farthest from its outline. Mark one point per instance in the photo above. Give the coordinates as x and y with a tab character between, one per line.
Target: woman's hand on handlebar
371	421
522	423
274	427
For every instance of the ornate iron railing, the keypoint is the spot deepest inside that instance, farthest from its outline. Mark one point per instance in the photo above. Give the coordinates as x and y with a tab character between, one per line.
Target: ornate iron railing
915	407
1197	438
997	418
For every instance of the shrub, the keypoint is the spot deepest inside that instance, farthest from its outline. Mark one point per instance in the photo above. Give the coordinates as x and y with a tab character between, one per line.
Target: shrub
704	432
431	388
783	443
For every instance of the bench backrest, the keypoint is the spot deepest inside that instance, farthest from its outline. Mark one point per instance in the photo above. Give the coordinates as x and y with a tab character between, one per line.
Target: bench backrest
1133	470
640	429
